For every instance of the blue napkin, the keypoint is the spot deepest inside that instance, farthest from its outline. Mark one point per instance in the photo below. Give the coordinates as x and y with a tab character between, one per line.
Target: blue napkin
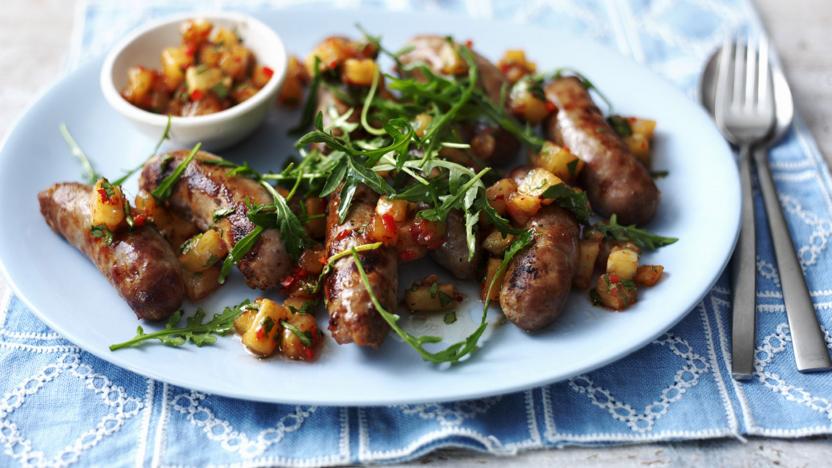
60	405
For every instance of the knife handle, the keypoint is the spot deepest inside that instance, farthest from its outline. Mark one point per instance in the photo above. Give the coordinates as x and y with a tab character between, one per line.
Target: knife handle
810	352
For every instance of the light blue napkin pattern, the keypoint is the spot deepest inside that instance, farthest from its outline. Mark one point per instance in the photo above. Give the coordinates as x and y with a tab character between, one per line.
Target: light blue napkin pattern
60	405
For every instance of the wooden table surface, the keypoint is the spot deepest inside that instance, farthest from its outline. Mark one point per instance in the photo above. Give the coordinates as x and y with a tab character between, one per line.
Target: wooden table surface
36	34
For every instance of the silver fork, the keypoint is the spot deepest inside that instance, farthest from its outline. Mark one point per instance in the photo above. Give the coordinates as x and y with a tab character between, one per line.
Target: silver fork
745	116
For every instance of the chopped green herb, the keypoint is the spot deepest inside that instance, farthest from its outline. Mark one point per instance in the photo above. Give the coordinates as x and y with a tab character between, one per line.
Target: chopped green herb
220	90
221	213
101	232
450	317
620	125
240	250
304	337
659	174
89	173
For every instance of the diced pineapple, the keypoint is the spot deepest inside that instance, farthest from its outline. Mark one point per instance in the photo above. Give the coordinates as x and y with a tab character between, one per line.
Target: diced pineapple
644	127
639	147
421	124
491	276
526	104
515	65
359	72
496	243
107	205
522	207
498	194
202	251
261	76
201	78
536	182
300	347
312	260
291	91
198	285
587	254
451	62
225	37
262	336
622	262
195	31
384	229
235	61
557	160
243	321
396	208
209	55
140	82
648	275
331	52
174	62
617	295
430	296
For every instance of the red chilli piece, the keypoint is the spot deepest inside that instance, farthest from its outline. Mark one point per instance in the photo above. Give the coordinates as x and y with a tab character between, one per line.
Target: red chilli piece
614	279
261	333
343	234
389	223
268	72
408	255
103	194
550	106
197	95
139	220
469	44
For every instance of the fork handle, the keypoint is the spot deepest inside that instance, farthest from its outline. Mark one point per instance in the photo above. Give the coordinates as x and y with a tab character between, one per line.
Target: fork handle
810	353
743	280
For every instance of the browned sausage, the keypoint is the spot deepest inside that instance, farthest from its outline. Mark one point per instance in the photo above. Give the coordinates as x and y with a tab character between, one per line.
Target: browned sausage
453	253
488	141
538	279
352	316
205	188
139	263
616	182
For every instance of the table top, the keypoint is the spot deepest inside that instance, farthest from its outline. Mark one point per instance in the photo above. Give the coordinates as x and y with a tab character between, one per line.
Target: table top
37	34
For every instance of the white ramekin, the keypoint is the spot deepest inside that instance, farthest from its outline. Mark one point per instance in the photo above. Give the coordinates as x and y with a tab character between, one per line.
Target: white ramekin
215	131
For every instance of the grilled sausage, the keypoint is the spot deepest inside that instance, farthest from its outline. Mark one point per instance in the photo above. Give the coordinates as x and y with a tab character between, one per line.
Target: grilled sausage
453	253
352	316
489	142
538	280
139	263
616	182
205	188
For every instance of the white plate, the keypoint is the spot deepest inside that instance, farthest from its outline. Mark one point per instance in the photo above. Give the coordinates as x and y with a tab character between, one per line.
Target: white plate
700	204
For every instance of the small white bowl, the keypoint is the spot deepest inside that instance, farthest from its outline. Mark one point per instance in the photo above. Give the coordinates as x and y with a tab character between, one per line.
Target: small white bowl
215	131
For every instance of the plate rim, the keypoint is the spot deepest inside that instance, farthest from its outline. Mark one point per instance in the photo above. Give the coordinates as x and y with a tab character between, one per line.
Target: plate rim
150	372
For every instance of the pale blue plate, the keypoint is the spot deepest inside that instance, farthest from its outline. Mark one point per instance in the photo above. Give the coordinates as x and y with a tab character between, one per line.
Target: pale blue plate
700	204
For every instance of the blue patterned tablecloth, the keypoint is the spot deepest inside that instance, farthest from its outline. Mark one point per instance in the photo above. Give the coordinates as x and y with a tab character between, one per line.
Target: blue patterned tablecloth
60	405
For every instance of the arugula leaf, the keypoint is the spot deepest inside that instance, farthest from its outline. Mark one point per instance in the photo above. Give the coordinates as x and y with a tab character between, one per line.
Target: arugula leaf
90	175
640	237
441	212
659	174
240	250
345	200
292	232
570	199
195	330
335	178
164	189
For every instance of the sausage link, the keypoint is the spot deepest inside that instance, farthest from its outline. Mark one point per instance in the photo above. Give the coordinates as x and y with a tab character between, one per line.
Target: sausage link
352	316
453	253
139	263
616	182
489	142
538	279
205	188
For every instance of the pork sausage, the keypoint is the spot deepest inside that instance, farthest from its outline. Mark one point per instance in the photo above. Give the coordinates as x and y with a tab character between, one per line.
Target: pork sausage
615	181
453	253
539	278
205	188
352	316
139	263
